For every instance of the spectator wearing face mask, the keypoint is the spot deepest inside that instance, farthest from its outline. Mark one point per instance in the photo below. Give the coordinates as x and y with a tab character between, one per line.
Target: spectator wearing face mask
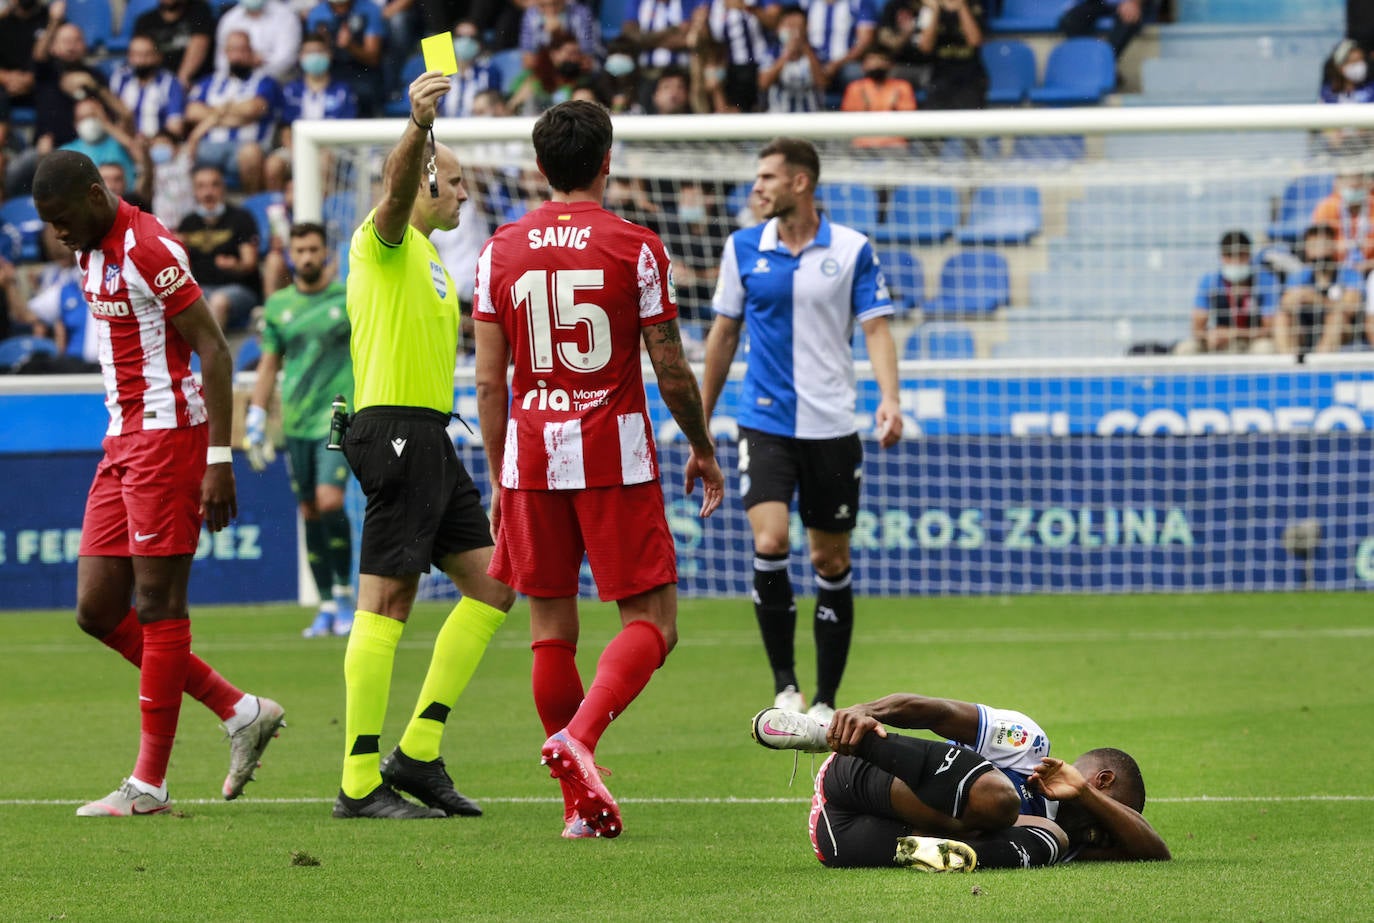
1235	305
1346	79
796	79
355	31
316	94
1321	302
100	139
153	95
171	172
730	44
623	77
222	242
551	77
184	31
232	114
274	34
879	91
474	75
1349	209
1345	75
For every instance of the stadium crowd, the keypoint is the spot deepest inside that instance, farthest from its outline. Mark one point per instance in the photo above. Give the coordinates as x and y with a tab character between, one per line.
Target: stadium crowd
188	105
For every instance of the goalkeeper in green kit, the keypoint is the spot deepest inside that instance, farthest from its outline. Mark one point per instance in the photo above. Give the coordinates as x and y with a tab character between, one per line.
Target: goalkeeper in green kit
305	334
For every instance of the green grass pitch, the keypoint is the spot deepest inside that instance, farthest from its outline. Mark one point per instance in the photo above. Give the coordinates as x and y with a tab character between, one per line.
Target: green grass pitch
1249	715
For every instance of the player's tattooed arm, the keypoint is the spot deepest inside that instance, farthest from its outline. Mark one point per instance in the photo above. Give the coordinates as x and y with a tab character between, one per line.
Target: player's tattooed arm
678	384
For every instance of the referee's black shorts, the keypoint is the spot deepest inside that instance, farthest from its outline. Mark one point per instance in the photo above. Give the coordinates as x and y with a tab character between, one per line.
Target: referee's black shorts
823	473
422	505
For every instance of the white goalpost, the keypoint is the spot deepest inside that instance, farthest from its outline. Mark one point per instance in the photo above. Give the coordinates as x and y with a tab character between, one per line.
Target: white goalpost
1044	262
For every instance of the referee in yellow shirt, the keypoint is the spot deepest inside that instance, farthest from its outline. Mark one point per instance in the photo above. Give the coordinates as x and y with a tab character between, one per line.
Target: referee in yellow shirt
422	506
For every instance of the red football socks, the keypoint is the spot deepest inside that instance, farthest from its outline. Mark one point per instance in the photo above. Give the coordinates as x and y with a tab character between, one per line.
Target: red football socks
166	651
557	693
621	674
203	683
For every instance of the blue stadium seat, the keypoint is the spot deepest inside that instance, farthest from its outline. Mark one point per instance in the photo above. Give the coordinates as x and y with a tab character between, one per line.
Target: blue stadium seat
852	204
1049	147
256	205
132	10
973	282
95	20
17	350
859	346
508	63
1028	16
940	340
1080	72
248	355
1300	196
906	279
1011	71
20	223
919	215
1002	215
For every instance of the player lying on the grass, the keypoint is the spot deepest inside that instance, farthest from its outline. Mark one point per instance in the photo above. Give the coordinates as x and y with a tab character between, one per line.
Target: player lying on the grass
990	796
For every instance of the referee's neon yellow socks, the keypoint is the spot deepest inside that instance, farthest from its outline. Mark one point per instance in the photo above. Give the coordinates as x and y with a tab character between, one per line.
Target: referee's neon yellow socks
459	648
367	680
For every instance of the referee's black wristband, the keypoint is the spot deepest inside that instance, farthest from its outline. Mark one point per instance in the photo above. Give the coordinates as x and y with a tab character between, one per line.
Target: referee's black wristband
418	125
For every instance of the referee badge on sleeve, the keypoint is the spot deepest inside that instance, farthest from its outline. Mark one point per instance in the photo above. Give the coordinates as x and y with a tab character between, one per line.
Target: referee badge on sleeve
436	272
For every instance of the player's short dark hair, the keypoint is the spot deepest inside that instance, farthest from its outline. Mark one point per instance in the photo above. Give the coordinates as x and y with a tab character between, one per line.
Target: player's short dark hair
1130	784
797	153
571	141
1235	242
64	176
306	228
1321	229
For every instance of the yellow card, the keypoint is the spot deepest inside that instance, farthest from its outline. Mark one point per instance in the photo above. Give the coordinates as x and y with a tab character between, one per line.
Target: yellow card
438	52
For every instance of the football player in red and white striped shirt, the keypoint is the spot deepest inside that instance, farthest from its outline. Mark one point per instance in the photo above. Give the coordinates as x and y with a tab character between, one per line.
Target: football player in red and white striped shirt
567	294
167	466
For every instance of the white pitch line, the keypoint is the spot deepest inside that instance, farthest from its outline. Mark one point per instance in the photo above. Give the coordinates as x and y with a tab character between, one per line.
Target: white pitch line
1188	799
923	637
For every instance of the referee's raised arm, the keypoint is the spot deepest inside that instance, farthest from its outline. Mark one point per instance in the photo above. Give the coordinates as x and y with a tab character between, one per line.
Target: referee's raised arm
401	175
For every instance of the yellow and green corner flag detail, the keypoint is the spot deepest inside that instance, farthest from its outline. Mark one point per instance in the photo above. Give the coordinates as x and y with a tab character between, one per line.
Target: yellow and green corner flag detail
403	307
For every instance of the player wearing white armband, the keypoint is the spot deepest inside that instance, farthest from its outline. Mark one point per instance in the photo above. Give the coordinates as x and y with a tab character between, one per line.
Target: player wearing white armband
166	470
989	796
800	282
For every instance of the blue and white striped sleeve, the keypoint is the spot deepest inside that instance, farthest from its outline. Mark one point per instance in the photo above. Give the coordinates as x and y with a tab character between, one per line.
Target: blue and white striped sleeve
728	300
870	295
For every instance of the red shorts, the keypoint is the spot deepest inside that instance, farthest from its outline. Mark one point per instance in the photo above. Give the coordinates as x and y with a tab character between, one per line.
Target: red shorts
145	499
623	531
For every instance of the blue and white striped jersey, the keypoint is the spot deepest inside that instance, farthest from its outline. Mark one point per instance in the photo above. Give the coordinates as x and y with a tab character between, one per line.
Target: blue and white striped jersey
151	103
831	25
799	310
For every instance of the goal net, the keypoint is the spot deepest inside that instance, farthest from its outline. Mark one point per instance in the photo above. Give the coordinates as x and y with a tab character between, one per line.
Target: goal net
1067	431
